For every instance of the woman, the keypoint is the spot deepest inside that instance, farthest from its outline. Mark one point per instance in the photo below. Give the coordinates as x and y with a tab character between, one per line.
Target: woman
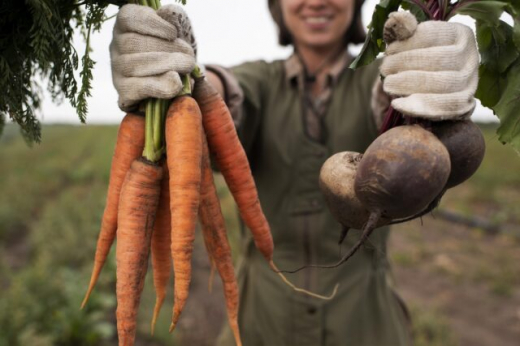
291	116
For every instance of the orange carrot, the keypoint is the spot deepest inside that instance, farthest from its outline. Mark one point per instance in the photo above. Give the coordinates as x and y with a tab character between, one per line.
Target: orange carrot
207	245
233	163
184	150
129	146
136	216
161	256
214	230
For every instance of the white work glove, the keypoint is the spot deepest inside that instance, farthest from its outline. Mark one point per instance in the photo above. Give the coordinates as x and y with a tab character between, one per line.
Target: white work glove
432	68
148	52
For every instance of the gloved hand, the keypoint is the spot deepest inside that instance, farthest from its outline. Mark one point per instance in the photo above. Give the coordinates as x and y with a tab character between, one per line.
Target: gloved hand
432	67
148	52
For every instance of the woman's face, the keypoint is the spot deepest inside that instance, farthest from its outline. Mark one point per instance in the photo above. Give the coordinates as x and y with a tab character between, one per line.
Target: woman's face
317	24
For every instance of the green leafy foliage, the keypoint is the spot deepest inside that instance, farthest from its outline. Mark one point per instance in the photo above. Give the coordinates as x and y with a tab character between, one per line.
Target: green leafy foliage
499	72
95	18
495	44
415	9
485	11
36	44
490	87
497	54
374	43
508	109
514	11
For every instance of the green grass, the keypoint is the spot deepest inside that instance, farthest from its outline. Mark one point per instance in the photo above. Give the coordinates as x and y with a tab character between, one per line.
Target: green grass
430	328
50	207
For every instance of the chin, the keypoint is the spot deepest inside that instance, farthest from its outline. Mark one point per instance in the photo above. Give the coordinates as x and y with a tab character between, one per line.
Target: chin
321	44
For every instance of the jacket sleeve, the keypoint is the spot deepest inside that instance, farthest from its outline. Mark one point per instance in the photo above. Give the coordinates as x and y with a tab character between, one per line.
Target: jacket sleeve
379	103
379	100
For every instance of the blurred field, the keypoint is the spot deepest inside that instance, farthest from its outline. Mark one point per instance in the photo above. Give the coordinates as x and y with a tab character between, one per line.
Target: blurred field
462	284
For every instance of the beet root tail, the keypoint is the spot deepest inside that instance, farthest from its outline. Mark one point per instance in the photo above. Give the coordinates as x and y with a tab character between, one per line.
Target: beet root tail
370	226
367	231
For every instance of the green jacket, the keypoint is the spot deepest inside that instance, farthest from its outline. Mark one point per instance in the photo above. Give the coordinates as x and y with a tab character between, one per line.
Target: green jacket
286	162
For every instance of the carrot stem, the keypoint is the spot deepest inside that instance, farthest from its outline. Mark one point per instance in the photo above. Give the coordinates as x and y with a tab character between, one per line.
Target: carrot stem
157	124
148	134
154	120
197	72
154	128
186	85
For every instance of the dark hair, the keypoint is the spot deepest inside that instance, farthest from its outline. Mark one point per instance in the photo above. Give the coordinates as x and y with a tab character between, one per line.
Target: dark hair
354	34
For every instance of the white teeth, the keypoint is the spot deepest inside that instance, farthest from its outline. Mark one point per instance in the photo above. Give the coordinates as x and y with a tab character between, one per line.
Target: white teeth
316	20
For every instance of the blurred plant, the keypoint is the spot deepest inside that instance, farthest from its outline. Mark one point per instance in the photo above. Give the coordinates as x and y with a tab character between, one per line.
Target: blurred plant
36	44
45	255
40	307
430	328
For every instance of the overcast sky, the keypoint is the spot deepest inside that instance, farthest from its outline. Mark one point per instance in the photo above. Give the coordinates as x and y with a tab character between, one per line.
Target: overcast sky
240	30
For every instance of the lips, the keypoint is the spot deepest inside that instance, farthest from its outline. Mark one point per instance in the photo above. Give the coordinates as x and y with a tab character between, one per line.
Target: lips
317	22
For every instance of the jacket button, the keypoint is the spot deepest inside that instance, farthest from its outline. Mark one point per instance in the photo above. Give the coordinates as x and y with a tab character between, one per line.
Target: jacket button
311	310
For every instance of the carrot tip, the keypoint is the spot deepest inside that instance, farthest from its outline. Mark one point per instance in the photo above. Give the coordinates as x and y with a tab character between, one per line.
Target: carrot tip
154	320
156	310
85	300
175	319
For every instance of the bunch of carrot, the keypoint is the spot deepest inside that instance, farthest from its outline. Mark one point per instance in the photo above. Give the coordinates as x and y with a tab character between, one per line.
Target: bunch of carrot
154	204
160	182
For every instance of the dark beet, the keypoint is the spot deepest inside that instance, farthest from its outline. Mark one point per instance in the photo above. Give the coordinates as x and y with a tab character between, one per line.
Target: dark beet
402	171
400	174
466	146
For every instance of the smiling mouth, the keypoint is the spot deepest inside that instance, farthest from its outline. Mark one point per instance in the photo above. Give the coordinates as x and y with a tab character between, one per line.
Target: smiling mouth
317	20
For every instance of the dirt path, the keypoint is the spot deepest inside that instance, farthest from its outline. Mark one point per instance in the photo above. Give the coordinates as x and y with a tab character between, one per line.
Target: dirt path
476	320
442	280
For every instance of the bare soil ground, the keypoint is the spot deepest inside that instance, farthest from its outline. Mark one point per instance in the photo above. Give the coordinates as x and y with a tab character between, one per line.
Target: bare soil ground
462	274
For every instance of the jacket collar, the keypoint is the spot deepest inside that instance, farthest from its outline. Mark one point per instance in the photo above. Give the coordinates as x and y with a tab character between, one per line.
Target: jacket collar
294	67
